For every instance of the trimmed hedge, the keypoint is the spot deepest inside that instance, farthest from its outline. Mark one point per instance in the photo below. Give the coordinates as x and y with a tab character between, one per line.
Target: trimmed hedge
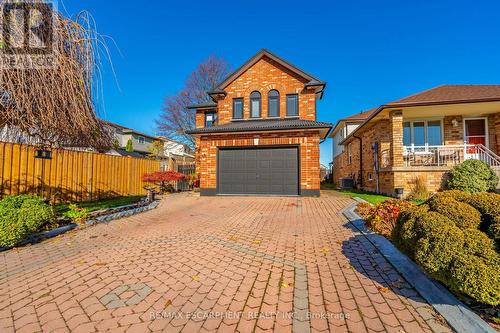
471	275
21	216
494	230
463	258
405	235
472	176
436	249
462	214
477	243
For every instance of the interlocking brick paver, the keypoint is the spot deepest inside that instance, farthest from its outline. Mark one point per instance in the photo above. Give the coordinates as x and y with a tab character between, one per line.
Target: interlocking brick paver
203	264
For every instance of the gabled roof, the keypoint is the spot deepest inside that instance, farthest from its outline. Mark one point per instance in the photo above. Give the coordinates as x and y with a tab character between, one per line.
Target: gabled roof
312	81
360	116
263	125
355	118
451	93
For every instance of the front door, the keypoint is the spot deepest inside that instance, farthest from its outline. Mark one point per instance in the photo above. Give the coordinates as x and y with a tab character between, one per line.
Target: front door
475	134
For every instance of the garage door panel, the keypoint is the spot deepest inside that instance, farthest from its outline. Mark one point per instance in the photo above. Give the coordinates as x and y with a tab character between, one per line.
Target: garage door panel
258	171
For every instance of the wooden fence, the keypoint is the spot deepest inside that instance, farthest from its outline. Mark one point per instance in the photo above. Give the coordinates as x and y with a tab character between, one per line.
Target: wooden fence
70	175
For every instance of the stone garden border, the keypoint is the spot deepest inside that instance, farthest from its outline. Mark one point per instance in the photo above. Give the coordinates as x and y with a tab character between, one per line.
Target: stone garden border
458	315
35	238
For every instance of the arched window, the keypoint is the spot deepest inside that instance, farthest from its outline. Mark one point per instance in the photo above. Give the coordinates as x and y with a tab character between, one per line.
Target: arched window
255	104
273	103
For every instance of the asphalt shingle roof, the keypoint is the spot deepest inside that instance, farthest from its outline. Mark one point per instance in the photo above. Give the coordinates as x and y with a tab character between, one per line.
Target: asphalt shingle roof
262	125
452	93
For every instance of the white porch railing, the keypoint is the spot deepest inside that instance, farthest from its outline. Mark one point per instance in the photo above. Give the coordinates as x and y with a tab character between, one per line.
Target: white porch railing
448	155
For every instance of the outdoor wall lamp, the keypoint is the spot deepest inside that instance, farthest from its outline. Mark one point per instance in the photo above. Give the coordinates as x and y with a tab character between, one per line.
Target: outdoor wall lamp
454	123
43	154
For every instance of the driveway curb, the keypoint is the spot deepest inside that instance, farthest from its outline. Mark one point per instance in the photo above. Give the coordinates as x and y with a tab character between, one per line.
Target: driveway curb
457	314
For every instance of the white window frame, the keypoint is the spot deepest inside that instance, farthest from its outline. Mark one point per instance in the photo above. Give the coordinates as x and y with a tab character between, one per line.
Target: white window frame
141	140
486	125
412	146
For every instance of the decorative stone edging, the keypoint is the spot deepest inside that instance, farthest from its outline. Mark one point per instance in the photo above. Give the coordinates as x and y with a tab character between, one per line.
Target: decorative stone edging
35	238
125	213
457	314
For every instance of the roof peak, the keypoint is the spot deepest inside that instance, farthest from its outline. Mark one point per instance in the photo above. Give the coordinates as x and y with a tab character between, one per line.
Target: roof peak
259	55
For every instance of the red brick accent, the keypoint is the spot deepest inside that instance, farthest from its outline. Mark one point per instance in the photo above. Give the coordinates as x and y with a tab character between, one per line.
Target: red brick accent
307	140
263	76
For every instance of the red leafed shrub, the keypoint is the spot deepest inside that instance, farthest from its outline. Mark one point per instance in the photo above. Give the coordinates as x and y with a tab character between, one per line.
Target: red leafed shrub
162	176
163	179
364	209
382	218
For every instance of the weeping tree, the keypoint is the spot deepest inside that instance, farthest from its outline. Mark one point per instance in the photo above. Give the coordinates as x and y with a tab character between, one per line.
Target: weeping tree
55	106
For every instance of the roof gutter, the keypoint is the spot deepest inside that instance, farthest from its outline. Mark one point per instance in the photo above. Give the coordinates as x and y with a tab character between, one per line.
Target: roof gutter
400	105
253	130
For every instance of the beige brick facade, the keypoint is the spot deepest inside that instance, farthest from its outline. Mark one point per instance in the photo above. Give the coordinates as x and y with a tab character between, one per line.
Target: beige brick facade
387	133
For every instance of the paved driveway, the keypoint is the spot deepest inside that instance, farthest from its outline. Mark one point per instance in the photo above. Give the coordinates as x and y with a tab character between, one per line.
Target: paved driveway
212	264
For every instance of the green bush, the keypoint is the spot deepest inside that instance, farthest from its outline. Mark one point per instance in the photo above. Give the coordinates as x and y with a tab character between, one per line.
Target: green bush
472	176
485	203
408	229
494	230
455	194
477	243
76	213
21	216
472	276
462	214
14	201
436	250
463	259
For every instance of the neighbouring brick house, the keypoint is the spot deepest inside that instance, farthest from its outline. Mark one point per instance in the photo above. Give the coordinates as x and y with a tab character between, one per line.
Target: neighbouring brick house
421	136
260	134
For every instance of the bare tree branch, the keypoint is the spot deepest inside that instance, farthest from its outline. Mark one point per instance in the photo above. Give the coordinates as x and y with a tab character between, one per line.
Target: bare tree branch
176	118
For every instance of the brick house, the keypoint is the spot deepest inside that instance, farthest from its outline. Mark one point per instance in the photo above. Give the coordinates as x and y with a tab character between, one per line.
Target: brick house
421	137
259	135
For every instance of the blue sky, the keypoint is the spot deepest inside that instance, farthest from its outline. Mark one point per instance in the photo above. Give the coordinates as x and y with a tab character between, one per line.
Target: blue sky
369	52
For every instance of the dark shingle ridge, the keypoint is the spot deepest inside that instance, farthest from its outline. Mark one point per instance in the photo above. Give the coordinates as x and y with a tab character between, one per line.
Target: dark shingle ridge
262	125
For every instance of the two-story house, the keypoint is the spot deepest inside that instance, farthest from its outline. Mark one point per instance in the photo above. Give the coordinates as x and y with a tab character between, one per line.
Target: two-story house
344	127
260	135
141	143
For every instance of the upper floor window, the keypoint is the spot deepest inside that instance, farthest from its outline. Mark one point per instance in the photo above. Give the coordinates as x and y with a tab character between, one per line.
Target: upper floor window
141	139
273	103
292	105
210	118
255	104
237	108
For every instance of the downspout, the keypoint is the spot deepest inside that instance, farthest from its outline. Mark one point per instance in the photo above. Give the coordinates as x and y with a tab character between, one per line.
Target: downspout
376	165
360	159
